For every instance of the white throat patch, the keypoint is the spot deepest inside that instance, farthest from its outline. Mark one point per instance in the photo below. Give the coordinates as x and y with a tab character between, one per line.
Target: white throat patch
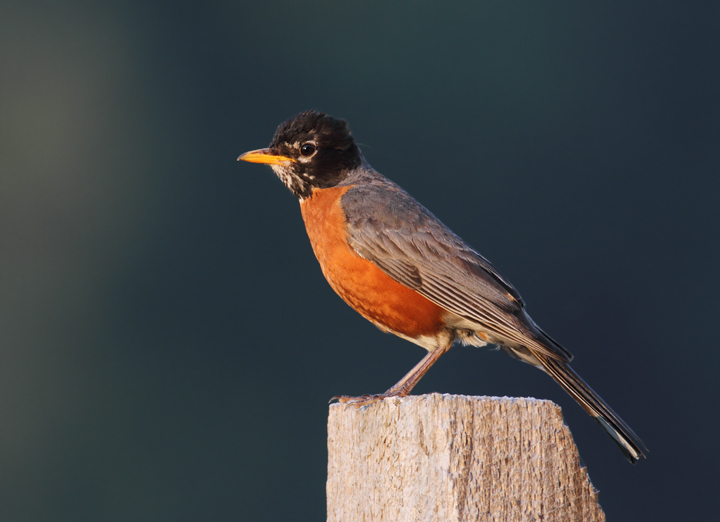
289	179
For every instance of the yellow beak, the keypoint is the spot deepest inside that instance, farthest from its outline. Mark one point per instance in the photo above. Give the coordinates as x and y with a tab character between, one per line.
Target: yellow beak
265	156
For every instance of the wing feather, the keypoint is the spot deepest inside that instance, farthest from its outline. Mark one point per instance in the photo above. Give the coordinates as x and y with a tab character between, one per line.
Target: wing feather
389	228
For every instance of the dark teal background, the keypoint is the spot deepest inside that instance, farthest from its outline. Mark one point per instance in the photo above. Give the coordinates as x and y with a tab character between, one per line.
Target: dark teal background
168	344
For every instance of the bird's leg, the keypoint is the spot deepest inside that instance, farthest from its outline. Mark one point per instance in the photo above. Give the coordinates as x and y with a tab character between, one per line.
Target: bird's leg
404	385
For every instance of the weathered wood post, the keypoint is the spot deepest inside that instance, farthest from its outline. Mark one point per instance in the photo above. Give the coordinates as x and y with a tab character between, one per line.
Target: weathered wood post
455	458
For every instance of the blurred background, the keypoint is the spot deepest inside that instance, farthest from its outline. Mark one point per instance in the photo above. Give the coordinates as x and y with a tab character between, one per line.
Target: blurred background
168	344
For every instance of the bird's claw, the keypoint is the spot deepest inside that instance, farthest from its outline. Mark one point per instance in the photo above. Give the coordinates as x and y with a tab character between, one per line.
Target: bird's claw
358	402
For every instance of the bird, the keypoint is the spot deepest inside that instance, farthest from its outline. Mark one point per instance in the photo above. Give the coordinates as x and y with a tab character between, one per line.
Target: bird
402	269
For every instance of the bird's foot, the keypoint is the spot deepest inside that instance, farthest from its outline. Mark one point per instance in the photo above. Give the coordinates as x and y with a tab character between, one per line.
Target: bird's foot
365	400
358	402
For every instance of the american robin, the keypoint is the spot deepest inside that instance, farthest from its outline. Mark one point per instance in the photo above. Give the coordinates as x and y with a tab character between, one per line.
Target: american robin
397	265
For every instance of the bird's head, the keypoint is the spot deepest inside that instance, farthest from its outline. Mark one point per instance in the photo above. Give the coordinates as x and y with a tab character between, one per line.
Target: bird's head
311	150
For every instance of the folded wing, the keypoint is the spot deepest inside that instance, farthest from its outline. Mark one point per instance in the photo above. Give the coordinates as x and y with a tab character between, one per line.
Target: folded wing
392	230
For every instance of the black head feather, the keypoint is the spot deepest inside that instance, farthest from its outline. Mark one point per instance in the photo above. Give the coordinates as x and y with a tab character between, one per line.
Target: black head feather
331	132
335	152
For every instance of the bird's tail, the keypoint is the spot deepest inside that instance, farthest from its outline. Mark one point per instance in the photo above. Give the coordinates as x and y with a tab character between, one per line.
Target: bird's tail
591	402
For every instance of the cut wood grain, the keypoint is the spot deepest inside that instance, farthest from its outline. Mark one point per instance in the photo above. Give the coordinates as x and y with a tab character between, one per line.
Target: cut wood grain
455	458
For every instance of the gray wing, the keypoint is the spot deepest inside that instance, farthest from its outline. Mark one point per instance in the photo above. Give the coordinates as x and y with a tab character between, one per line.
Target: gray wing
389	228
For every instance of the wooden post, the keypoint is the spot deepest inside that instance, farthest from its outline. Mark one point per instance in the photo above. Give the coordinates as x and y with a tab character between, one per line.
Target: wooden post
455	458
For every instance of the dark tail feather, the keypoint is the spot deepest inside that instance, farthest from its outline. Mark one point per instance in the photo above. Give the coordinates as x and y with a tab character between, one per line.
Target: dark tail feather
571	382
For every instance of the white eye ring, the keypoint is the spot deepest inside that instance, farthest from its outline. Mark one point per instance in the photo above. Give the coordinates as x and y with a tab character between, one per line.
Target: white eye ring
307	149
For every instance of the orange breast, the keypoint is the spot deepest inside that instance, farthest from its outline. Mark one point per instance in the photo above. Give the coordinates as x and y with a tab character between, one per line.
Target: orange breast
361	284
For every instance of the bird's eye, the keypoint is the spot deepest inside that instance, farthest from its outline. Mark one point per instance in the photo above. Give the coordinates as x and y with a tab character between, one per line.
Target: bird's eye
308	149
